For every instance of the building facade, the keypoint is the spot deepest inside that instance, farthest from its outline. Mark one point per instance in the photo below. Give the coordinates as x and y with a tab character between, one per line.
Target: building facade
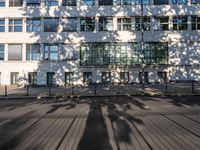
84	41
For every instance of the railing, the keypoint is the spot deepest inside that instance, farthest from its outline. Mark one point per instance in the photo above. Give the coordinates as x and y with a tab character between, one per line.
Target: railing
171	87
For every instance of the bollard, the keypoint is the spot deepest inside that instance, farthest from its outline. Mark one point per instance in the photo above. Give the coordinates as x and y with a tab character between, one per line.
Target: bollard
72	88
49	90
118	89
95	89
6	92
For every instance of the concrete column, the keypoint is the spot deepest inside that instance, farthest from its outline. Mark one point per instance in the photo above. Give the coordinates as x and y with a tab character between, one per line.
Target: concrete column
96	24
23	52
6	52
6	24
23	24
171	23
189	23
114	23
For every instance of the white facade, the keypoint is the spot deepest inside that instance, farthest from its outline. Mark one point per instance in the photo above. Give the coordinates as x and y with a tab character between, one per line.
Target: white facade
183	45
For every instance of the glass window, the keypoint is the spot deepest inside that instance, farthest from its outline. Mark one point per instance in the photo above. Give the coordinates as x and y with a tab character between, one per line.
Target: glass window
105	24
195	1
124	77
69	78
145	2
162	77
32	78
14	80
146	78
15	3
2	3
1	52
156	53
105	2
33	52
106	77
51	2
88	2
179	2
195	23
14	52
136	25
87	24
51	52
87	77
2	25
124	24
125	2
180	23
69	24
110	54
51	78
33	2
51	25
161	2
146	23
69	2
33	25
15	25
161	23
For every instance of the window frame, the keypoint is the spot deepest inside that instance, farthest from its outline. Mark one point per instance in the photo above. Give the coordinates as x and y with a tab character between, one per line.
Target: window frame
104	23
49	51
30	26
14	78
70	18
48	27
85	22
15	3
2	25
2	52
196	23
31	53
87	77
69	78
32	78
12	25
177	26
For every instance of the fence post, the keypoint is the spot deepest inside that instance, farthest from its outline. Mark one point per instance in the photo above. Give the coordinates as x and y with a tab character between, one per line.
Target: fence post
166	90
6	92
72	88
192	86
49	90
95	88
27	90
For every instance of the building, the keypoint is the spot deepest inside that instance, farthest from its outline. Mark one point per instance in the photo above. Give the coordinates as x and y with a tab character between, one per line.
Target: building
78	41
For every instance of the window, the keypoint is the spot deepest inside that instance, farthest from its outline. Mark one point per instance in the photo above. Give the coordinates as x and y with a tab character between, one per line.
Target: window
144	2
14	78
51	52
125	2
2	3
124	77
69	2
156	53
2	25
51	78
33	52
195	23
146	23
105	2
15	3
161	2
51	25
33	25
32	78
105	24
162	77
124	24
68	52
14	52
69	24
161	23
110	54
1	52
33	2
106	77
195	1
69	78
87	77
179	2
88	2
137	23
51	2
87	24
15	25
146	78
180	23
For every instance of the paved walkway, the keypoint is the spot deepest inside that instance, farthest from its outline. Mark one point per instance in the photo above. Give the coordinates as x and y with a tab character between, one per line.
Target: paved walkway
104	123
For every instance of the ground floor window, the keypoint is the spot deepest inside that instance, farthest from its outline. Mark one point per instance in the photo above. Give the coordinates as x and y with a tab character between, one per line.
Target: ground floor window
32	78
162	77
146	78
87	77
106	77
51	80
124	77
69	78
14	78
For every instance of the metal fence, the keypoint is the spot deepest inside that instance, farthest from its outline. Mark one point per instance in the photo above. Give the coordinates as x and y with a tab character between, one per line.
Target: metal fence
172	87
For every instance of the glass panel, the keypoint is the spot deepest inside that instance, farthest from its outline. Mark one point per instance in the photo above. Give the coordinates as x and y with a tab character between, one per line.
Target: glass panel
14	52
